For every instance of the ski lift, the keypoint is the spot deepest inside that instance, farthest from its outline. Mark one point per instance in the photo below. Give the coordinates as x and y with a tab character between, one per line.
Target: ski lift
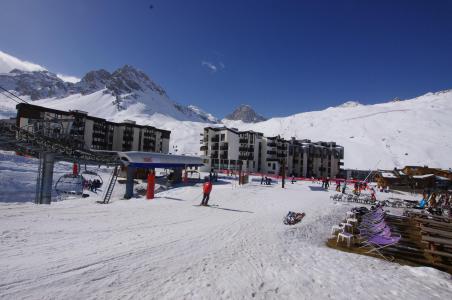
92	175
70	185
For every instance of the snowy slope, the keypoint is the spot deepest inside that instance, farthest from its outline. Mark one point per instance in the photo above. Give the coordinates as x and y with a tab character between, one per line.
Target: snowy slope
168	248
411	132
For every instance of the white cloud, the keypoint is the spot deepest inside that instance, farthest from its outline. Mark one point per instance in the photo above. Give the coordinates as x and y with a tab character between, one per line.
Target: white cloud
9	62
210	66
68	78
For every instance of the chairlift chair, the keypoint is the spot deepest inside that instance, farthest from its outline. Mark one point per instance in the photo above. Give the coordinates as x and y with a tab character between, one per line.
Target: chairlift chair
91	175
70	185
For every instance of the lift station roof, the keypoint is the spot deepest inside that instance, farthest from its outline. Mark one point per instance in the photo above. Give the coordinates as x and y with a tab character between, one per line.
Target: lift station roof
138	159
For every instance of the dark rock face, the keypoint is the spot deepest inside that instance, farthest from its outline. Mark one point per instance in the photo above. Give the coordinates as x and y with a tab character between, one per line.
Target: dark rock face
44	84
246	114
37	85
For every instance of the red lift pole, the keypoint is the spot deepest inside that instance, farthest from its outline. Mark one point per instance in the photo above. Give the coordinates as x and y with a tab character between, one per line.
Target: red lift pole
151	185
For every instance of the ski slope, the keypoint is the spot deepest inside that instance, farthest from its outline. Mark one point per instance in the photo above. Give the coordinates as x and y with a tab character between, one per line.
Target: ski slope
387	135
171	248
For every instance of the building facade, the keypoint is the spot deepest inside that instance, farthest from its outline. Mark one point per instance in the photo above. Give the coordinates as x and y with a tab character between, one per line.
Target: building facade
229	149
92	133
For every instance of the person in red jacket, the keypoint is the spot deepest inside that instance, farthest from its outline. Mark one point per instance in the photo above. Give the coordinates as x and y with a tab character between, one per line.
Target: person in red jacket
206	188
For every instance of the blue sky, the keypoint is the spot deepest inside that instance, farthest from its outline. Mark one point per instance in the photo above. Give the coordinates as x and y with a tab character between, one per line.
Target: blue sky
282	57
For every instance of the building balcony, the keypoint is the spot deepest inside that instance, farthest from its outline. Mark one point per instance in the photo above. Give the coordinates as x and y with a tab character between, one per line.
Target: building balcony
246	149
271	144
272	159
243	141
224	156
215	139
271	152
224	147
246	157
203	148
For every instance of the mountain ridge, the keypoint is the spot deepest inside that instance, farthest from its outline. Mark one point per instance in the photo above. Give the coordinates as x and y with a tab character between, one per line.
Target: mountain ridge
392	134
245	113
127	85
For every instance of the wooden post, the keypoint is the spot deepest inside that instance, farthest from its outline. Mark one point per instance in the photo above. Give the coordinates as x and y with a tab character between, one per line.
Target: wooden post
283	173
240	172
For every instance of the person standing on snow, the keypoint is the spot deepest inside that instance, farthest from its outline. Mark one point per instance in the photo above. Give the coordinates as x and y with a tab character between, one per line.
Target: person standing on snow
206	188
372	195
338	186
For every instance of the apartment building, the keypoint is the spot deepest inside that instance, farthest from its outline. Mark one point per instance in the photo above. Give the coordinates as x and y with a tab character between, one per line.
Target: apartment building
88	132
228	148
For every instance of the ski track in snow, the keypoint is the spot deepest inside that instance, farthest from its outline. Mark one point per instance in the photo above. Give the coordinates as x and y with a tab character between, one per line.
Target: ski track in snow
377	113
169	248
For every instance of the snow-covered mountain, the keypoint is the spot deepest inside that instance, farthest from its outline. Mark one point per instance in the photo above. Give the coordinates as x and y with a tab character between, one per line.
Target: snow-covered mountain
126	89
245	113
409	132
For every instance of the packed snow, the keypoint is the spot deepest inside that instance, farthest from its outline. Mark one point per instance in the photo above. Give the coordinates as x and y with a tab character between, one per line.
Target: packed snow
171	248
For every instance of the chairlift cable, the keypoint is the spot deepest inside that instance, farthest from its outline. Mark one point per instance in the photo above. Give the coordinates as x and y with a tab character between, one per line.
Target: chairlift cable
11	98
13	95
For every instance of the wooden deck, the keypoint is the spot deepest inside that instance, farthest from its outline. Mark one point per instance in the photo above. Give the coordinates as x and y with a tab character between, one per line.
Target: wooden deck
425	241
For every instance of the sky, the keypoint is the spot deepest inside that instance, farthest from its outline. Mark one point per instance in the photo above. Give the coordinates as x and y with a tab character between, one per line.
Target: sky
281	57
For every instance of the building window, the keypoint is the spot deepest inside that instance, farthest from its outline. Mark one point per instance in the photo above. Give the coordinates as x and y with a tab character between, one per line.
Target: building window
222	137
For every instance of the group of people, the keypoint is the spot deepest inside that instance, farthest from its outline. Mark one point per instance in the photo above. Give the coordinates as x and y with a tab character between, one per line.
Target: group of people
359	187
435	201
325	183
266	180
92	185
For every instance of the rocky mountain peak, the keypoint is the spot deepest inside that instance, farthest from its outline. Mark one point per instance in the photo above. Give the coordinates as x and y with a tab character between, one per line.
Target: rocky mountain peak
246	114
128	79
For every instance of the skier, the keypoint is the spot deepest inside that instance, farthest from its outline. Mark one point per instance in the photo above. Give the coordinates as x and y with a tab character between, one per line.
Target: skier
262	179
372	195
338	186
293	179
344	187
206	188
